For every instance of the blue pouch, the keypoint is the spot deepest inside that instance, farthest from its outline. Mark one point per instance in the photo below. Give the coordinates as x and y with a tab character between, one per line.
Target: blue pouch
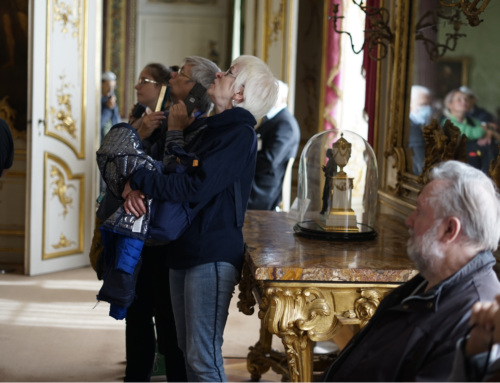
170	219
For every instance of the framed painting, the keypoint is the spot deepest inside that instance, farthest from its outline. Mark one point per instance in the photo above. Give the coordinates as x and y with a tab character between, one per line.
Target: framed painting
452	73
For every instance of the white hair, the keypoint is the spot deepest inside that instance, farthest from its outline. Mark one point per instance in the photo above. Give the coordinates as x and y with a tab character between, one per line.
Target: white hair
108	76
425	250
260	86
468	91
472	197
202	71
282	90
419	89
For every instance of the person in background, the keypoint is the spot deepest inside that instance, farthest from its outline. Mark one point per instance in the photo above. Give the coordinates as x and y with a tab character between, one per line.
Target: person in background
475	110
457	105
109	110
420	116
278	138
413	334
6	148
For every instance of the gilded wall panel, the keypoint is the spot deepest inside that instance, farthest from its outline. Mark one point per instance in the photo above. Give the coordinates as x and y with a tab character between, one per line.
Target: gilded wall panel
63	209
277	37
66	73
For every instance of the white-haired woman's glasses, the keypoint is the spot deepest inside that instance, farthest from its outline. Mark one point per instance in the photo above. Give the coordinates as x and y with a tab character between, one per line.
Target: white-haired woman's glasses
228	72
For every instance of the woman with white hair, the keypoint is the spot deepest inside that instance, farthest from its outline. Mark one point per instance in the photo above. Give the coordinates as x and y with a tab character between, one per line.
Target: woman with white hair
206	261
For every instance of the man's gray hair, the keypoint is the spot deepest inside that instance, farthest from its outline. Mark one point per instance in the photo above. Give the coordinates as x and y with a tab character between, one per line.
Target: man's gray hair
260	91
472	197
419	89
108	76
203	71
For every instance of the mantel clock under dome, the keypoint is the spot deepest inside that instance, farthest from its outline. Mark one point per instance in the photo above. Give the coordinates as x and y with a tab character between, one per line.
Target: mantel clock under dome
337	191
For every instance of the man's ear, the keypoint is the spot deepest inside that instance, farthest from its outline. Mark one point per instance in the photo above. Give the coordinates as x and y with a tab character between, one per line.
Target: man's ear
452	229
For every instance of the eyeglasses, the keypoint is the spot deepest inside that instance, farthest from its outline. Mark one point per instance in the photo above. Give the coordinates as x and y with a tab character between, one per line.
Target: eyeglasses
228	72
143	80
181	73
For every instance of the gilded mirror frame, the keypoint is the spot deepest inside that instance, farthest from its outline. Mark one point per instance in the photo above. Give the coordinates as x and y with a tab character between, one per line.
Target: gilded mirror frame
399	188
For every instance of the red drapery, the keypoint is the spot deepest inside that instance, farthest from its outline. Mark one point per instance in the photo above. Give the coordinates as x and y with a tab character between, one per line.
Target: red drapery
370	67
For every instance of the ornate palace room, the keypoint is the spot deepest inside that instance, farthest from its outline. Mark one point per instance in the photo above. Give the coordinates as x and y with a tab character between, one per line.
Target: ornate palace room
278	190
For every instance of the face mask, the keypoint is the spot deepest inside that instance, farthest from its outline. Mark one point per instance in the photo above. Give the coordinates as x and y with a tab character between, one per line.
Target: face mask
422	116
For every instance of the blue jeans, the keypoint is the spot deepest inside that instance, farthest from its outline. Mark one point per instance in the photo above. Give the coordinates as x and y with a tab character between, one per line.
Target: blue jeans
200	299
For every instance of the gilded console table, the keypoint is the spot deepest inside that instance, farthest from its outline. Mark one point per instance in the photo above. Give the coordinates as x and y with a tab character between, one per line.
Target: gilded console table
308	289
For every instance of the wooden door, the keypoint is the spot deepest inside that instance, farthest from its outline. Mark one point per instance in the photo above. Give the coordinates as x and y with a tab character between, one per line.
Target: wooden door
65	50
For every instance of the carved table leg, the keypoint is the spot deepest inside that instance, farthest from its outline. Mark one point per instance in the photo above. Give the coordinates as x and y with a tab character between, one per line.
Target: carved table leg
257	363
299	355
299	316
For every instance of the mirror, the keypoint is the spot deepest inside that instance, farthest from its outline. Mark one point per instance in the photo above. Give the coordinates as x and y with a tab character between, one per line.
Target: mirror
453	75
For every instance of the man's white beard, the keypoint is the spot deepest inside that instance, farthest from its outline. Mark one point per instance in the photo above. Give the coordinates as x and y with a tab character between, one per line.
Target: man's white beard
425	250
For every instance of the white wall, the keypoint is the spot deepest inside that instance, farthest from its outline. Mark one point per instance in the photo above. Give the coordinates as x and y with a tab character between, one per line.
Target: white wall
167	33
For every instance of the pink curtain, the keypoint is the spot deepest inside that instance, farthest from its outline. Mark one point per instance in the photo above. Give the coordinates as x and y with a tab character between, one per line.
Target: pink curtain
370	67
332	92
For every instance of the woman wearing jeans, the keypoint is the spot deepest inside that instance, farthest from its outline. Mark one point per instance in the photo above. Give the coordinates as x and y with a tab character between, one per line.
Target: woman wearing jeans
205	262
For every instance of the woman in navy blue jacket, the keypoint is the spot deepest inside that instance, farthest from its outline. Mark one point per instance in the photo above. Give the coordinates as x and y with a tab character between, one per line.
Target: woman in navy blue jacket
205	262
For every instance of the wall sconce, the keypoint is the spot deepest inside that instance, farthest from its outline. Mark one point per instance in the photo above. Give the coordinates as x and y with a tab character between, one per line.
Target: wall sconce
430	20
379	34
469	8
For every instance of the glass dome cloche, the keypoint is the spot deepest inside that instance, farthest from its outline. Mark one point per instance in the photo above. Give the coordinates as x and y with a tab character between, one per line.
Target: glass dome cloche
337	190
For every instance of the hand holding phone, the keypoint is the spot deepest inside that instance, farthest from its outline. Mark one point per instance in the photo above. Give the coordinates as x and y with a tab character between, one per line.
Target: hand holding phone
178	118
194	97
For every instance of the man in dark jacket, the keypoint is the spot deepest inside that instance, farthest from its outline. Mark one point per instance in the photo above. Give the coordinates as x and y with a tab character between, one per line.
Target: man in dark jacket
278	138
413	334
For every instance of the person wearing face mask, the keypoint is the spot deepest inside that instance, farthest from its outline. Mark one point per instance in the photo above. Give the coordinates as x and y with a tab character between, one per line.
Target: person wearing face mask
457	105
420	116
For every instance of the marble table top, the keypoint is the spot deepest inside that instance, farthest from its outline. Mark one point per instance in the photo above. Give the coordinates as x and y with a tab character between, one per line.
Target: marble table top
276	253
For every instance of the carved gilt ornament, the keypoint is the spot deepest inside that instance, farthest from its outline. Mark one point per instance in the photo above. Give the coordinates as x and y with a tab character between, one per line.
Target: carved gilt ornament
469	8
61	188
69	15
63	243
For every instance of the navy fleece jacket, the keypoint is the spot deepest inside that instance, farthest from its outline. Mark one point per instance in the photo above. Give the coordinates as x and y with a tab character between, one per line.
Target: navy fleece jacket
227	153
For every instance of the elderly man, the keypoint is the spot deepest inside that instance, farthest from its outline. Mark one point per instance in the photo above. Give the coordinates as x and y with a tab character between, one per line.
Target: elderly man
413	334
420	115
109	110
279	136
